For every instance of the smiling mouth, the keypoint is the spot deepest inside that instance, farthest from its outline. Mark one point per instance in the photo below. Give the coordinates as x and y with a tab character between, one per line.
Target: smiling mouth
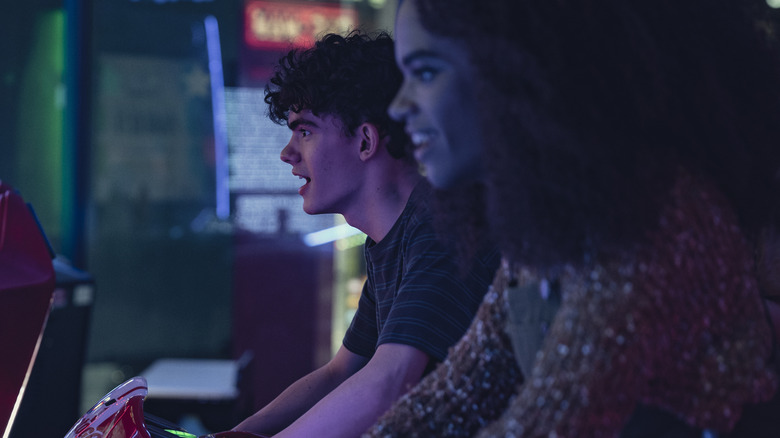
421	139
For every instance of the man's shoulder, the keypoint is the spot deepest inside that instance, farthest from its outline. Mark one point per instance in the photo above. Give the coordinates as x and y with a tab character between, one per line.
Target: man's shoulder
417	218
419	206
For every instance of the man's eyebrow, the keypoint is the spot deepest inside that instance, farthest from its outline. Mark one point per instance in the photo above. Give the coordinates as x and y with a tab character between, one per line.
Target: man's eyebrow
417	54
301	121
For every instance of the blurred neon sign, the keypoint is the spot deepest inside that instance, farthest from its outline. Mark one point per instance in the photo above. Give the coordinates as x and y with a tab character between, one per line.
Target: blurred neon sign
275	25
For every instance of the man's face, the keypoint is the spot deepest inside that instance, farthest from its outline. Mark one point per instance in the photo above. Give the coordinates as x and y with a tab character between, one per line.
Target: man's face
326	159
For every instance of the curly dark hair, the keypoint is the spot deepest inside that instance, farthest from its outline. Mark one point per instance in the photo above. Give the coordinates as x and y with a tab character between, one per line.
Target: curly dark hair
352	77
592	106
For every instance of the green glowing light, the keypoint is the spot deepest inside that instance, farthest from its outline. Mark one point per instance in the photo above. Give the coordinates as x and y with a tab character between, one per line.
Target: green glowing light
181	433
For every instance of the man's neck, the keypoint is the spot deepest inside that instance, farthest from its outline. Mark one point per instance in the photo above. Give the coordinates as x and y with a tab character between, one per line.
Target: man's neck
383	205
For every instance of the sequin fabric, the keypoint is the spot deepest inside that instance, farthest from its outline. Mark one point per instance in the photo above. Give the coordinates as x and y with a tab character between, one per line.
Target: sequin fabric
677	324
469	389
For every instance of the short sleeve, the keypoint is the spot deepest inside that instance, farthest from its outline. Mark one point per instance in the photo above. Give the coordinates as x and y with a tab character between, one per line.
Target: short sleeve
361	336
435	302
471	388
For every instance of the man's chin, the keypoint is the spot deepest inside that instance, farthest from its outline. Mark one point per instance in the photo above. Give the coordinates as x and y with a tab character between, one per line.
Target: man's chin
311	209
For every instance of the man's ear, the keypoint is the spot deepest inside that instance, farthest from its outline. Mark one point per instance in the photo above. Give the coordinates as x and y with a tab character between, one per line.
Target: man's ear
370	141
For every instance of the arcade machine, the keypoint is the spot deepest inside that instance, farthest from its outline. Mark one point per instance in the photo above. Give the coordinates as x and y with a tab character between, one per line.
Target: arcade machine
27	283
120	414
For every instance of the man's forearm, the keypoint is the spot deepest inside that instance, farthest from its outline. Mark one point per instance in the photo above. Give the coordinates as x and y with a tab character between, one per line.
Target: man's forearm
356	404
290	404
346	412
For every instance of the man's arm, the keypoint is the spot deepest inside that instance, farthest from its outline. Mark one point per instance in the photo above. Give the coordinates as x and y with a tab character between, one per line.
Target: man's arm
303	394
357	403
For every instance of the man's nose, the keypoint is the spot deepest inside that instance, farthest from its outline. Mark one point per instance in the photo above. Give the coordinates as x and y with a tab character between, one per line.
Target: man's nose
289	154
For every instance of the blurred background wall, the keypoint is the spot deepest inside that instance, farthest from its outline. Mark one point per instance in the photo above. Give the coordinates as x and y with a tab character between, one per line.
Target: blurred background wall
137	130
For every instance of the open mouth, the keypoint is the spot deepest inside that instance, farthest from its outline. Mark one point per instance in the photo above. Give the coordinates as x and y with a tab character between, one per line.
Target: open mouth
306	181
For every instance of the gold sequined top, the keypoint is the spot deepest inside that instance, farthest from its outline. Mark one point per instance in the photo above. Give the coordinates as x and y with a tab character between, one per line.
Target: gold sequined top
677	324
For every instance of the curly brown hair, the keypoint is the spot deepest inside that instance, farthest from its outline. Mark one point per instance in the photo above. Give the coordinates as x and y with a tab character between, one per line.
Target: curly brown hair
352	77
593	105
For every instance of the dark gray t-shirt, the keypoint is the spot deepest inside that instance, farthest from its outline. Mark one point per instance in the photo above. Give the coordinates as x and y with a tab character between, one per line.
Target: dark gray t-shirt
414	293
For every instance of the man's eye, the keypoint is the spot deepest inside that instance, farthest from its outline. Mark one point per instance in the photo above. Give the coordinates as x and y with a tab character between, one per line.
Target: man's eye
304	132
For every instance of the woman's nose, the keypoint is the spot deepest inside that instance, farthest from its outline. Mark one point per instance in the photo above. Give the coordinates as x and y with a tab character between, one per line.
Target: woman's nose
401	105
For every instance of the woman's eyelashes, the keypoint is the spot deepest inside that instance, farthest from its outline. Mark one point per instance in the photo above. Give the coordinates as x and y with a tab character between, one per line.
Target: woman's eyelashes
425	73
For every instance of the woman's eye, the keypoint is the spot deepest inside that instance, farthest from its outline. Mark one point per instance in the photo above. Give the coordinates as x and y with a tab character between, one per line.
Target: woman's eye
424	74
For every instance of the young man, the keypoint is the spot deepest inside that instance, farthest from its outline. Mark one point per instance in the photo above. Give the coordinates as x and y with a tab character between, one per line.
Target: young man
355	161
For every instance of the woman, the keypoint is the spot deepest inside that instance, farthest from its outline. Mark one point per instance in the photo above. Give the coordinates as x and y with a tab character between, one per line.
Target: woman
628	149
